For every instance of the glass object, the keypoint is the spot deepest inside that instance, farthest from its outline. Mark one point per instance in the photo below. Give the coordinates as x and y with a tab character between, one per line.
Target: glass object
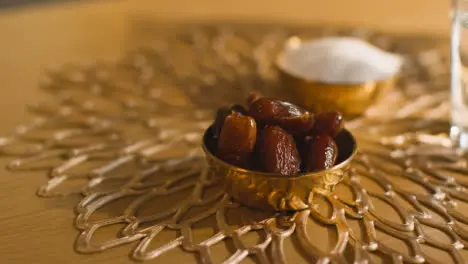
459	77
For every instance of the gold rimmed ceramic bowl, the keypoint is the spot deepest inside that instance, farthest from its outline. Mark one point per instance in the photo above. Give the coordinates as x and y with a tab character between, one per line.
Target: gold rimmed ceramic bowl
351	99
270	191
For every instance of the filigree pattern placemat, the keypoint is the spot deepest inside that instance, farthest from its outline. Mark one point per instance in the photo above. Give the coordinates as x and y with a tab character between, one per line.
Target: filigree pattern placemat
126	135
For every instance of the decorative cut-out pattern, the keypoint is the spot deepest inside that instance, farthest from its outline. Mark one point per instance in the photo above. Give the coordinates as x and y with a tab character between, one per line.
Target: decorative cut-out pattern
125	136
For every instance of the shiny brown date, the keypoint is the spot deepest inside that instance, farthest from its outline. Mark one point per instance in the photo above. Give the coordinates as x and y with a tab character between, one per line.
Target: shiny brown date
221	115
329	123
290	117
237	140
323	153
277	152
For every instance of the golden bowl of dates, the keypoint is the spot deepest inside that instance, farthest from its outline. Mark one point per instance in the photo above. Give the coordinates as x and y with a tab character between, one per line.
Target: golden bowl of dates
336	73
274	155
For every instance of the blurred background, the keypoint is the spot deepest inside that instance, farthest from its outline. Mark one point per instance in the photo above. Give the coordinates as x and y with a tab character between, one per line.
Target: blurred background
415	15
39	33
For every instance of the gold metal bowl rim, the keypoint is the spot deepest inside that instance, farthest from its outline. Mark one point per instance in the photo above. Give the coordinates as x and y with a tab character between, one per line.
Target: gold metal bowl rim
277	175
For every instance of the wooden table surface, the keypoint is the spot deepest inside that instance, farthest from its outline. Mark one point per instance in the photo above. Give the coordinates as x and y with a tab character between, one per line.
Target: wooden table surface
34	230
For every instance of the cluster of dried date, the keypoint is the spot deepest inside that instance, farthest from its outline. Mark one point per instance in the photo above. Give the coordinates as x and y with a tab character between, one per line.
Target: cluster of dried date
276	136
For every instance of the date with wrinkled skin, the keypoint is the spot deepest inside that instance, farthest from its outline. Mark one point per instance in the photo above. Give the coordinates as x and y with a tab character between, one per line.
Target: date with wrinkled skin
323	153
237	140
221	115
330	123
277	152
292	118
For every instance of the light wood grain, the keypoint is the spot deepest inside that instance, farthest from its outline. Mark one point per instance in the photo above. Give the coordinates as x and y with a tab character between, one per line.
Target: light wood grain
40	231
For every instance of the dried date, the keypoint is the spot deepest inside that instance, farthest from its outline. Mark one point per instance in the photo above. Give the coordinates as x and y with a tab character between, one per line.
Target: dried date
323	153
329	123
277	152
237	140
221	115
292	118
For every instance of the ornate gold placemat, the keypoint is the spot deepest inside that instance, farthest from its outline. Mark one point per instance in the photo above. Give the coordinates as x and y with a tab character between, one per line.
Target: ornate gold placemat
125	136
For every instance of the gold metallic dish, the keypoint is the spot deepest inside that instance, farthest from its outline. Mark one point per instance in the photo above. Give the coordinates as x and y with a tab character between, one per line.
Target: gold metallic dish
349	99
271	191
